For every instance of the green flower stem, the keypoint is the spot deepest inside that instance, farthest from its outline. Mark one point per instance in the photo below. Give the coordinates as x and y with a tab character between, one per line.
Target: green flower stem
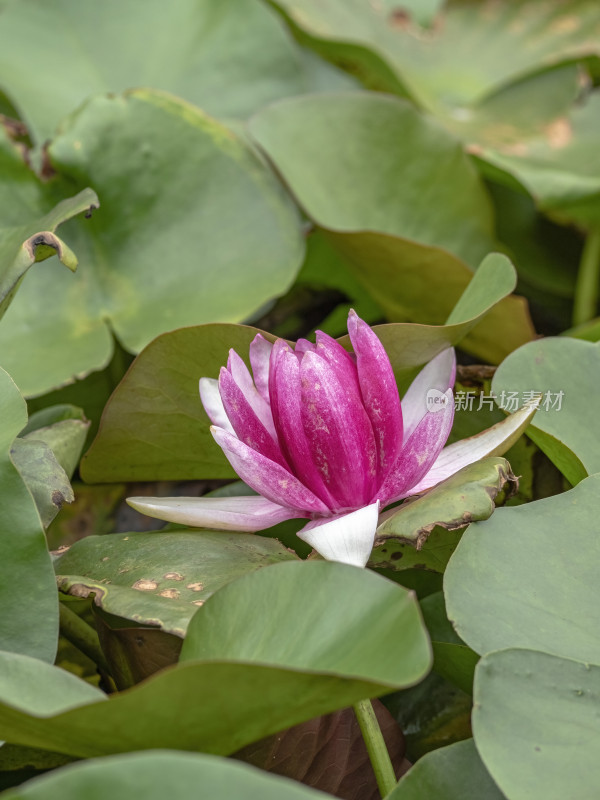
378	753
586	288
84	637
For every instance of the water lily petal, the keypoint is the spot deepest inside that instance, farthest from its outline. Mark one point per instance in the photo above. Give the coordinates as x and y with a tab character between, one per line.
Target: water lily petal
494	441
213	404
267	477
248	514
419	452
347	538
304	346
438	376
286	403
246	424
241	375
379	391
260	353
339	359
339	433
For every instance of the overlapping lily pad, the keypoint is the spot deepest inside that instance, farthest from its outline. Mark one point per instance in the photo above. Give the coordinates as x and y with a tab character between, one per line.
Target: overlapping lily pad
228	56
566	426
26	576
535	724
252	665
193	228
414	249
162	578
517	568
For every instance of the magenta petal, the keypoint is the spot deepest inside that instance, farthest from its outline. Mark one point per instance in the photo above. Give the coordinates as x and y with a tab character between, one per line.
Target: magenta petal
245	423
260	353
241	375
286	403
436	376
213	404
339	433
304	346
248	514
267	477
379	391
418	453
338	359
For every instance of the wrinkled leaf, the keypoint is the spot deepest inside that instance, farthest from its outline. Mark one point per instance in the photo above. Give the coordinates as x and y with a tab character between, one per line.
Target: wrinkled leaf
466	496
174	178
161	578
26	576
45	478
268	666
516	568
566	426
156	775
455	772
535	724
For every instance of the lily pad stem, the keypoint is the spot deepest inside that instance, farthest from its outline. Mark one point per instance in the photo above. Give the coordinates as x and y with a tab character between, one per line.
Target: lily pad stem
378	752
82	636
588	277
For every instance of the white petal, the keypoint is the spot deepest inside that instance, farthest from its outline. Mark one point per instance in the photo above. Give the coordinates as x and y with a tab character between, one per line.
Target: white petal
253	513
213	405
438	374
492	442
347	538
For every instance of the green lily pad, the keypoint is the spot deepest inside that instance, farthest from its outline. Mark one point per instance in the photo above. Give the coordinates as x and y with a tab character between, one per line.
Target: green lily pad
535	724
65	438
45	478
413	249
154	426
455	772
560	168
161	578
29	236
463	498
281	663
26	575
461	60
517	569
228	56
566	426
174	178
154	775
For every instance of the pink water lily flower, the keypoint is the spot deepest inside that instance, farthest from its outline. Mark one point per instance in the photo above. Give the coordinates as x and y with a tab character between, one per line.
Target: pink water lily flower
321	434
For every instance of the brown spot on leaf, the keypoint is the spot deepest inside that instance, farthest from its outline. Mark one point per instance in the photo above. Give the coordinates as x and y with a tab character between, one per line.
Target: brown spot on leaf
173	576
58	498
198	602
559	133
171	594
565	24
195	587
396	556
145	585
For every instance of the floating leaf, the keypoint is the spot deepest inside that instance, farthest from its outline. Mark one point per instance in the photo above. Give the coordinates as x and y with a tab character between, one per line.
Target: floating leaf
502	571
455	772
566	426
26	576
161	578
154	775
174	177
415	262
267	666
535	724
45	478
228	56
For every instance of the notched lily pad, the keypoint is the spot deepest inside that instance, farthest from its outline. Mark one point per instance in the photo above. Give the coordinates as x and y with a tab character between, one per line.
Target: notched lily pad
469	495
161	579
